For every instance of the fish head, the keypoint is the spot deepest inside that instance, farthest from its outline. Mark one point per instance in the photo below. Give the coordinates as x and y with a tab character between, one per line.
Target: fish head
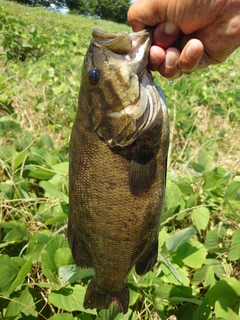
117	84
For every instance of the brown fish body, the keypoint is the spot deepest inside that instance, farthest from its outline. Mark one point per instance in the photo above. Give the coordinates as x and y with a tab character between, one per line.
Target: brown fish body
117	176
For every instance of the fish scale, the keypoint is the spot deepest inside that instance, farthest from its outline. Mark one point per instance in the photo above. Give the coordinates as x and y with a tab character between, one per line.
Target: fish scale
117	181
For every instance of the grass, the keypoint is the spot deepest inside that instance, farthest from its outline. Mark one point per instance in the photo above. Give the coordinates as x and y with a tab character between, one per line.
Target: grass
41	54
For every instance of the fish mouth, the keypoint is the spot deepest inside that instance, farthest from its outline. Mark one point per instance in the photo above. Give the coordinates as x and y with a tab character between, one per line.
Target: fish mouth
133	48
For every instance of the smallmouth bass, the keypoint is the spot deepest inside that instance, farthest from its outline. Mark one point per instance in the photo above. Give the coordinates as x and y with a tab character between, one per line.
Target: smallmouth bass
118	156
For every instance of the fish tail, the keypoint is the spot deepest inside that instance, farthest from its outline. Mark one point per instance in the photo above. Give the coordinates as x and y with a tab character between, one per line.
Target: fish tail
96	298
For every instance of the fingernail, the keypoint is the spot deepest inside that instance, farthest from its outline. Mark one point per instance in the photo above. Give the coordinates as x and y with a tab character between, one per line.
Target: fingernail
170	27
170	60
191	51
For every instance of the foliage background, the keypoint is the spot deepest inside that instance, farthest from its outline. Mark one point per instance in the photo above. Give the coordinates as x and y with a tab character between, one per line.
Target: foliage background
113	10
198	271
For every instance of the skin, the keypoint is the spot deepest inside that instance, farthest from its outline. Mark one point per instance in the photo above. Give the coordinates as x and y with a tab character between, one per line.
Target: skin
189	34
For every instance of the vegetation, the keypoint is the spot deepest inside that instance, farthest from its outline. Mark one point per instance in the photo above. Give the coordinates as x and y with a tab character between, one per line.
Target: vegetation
198	271
114	10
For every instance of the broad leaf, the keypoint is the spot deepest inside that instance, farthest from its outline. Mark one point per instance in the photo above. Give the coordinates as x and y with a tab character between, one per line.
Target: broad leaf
203	312
69	298
25	269
113	313
62	316
49	267
223	308
21	307
200	218
226	287
179	238
234	253
71	273
8	270
191	253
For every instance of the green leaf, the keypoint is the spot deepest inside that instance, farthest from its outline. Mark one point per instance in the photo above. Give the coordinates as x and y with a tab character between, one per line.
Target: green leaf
71	273
49	285
209	278
226	287
171	267
234	253
7	153
39	173
84	316
62	257
170	278
191	253
174	294
185	188
19	158
201	217
233	190
113	313
46	140
49	267
197	167
223	308
22	305
52	191
9	270
213	179
179	238
16	231
62	316
60	89
61	167
174	196
181	85
212	240
8	124
36	245
203	312
204	158
69	298
25	269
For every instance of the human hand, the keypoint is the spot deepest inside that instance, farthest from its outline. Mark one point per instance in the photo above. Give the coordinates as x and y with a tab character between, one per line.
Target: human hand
188	34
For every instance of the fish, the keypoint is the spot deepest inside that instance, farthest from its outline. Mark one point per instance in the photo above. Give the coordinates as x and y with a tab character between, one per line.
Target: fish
118	163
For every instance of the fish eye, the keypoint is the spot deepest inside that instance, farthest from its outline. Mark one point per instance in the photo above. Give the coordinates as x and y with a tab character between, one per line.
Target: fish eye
94	76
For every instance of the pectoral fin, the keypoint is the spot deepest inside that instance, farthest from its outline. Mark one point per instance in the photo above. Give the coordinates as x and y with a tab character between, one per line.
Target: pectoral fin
142	170
148	260
80	253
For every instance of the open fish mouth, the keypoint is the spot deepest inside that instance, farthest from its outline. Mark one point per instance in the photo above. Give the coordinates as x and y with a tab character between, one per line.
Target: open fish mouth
133	47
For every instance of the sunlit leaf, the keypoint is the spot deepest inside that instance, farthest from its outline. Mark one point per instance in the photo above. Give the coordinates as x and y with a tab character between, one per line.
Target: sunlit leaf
223	308
69	298
204	311
191	253
200	217
23	304
49	267
62	316
179	238
234	253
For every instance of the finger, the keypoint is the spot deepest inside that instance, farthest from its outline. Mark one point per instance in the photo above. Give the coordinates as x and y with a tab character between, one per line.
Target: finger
165	34
156	57
169	68
191	56
145	13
